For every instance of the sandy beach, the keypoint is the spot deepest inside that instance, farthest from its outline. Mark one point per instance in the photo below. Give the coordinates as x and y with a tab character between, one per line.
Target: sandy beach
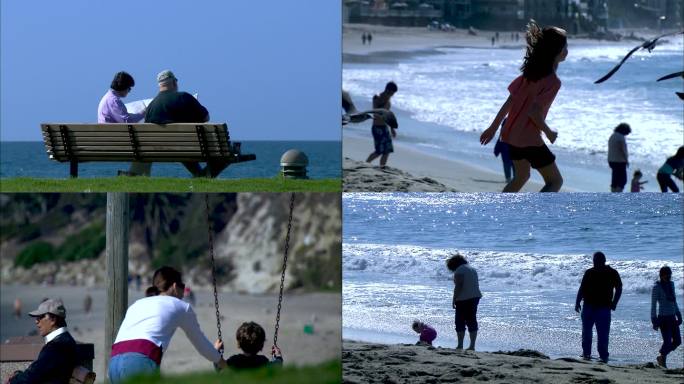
413	171
323	310
380	363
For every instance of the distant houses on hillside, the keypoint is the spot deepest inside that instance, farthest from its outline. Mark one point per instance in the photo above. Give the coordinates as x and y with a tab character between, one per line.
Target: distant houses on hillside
576	16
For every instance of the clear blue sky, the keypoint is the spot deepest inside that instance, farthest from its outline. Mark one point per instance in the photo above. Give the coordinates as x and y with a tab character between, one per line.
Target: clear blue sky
270	69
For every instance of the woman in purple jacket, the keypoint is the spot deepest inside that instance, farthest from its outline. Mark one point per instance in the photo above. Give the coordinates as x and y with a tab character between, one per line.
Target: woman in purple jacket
111	108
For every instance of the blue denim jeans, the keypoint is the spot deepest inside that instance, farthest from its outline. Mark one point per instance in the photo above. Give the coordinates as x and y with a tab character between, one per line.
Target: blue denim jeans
599	316
670	332
126	365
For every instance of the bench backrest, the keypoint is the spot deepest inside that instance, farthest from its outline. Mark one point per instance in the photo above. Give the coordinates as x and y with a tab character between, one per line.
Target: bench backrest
145	142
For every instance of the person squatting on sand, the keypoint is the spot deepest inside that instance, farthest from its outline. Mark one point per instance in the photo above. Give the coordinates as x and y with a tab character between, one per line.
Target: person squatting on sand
380	130
427	333
466	298
531	96
600	289
57	359
148	326
618	158
669	317
674	165
250	339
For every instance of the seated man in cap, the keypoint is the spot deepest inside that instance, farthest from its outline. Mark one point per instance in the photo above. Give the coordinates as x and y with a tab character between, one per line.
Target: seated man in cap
172	106
57	359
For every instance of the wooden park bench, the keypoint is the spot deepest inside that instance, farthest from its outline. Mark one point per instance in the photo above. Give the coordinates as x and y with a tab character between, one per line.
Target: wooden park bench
184	142
16	353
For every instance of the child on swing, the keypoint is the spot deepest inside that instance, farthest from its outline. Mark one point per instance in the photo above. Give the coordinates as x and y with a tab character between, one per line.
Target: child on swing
531	96
250	339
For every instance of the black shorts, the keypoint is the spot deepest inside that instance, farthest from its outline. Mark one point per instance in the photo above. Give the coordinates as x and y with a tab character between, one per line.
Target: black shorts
539	157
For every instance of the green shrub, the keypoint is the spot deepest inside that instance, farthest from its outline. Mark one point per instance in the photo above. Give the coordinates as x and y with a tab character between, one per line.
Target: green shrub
87	244
34	253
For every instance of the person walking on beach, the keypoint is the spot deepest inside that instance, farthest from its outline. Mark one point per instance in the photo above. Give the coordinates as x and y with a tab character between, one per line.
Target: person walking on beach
465	300
618	159
600	289
674	165
363	38
369	38
531	96
381	131
668	318
149	324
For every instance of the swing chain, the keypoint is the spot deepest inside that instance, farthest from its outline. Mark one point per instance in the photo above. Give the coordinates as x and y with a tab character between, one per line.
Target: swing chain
213	270
282	277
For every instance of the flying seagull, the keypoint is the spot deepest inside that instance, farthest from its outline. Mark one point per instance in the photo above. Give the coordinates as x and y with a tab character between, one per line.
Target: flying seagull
672	76
352	115
648	45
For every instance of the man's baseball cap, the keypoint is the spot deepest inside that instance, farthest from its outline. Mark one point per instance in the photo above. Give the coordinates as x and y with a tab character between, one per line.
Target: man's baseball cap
165	76
53	306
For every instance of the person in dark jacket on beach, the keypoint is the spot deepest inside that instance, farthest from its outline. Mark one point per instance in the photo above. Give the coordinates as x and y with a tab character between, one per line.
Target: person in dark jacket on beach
57	358
618	158
668	317
600	289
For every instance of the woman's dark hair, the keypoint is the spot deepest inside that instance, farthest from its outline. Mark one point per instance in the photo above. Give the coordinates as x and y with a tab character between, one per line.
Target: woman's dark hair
122	81
456	261
163	279
543	46
250	337
392	87
623	128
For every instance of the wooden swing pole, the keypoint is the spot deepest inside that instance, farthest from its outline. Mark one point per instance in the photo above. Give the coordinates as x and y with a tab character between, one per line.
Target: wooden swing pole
116	279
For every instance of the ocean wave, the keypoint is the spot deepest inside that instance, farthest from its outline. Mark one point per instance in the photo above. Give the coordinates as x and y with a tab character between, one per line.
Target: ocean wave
522	270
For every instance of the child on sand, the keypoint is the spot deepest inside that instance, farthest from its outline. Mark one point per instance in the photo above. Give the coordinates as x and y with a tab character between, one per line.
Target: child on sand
674	165
636	182
250	339
531	96
427	333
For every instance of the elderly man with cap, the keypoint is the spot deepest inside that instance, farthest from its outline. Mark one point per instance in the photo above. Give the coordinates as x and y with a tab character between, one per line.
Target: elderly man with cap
57	359
600	289
172	106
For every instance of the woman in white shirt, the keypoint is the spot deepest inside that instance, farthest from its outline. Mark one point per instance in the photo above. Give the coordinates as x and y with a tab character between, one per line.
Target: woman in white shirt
146	331
466	298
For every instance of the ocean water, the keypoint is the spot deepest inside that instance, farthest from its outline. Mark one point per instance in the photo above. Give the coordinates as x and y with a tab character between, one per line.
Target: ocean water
453	94
530	251
29	159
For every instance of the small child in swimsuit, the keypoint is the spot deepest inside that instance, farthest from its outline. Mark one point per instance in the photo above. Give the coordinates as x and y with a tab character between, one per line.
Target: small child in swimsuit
636	183
250	339
427	333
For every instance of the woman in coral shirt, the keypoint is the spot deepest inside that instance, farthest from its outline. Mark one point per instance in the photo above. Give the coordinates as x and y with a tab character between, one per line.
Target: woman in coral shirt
531	96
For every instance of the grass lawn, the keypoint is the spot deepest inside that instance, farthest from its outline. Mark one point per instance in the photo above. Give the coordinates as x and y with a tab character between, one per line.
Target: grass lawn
168	184
330	372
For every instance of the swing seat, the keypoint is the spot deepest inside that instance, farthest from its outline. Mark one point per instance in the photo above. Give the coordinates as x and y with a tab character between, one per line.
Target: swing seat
186	142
